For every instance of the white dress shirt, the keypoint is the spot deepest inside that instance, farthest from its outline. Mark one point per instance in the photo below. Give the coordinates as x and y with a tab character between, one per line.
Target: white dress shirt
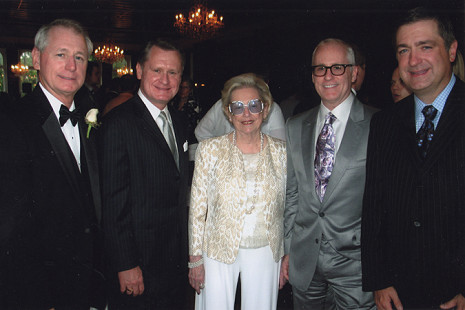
342	112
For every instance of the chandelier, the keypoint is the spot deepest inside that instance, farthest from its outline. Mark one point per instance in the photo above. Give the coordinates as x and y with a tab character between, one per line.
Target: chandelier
19	69
124	71
201	23
109	53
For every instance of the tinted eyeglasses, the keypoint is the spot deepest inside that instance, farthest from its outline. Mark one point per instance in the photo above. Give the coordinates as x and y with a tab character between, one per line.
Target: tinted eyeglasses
255	106
336	70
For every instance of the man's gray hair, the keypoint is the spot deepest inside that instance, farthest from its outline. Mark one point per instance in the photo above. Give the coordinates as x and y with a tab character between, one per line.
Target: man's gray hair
350	51
41	38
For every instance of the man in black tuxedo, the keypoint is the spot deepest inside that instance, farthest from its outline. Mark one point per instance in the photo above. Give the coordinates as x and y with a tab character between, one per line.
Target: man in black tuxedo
413	232
49	190
145	173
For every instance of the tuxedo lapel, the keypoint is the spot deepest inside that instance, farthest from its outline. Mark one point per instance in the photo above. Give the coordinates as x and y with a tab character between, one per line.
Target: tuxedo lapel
89	154
62	151
52	130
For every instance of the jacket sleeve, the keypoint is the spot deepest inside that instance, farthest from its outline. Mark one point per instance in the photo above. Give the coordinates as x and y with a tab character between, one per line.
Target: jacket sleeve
117	207
292	195
199	201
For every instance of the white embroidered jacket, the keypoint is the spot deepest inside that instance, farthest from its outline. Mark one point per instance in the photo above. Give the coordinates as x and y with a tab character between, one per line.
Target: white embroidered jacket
219	198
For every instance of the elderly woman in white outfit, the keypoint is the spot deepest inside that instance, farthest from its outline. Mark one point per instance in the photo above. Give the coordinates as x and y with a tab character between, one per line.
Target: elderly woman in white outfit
237	204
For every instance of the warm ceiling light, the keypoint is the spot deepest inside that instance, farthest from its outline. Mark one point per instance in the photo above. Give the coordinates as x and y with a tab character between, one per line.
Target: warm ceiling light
109	53
202	24
19	69
124	71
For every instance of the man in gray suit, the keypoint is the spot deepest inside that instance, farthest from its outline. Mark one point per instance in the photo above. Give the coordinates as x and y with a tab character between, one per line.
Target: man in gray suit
326	149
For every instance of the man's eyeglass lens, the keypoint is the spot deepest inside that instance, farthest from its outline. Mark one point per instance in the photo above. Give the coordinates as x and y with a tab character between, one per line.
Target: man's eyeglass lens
255	106
336	70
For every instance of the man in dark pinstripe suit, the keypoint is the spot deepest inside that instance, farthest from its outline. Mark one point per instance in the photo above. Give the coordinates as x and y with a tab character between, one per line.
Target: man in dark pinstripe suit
144	188
413	228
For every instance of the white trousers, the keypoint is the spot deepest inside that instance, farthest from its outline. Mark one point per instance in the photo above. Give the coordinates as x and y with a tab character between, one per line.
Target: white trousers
259	282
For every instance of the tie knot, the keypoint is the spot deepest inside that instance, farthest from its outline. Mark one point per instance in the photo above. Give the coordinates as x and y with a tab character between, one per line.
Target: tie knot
163	116
66	114
330	118
429	112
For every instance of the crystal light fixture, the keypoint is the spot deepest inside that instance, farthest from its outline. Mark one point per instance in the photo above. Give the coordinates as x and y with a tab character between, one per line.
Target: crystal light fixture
201	23
109	53
19	69
124	71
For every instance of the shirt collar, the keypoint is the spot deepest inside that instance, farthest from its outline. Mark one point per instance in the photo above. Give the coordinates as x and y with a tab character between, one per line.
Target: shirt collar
154	111
54	102
440	100
341	112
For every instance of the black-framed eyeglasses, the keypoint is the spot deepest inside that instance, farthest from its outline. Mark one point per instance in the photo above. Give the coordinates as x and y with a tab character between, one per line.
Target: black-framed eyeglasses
336	70
255	106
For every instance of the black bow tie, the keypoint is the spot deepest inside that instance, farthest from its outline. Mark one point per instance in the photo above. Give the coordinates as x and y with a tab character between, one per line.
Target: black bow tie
66	114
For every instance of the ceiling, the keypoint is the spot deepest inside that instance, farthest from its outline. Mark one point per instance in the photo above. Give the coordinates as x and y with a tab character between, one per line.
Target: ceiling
274	37
130	23
123	21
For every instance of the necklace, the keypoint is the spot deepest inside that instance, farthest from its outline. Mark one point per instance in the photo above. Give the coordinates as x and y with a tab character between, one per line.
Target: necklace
257	172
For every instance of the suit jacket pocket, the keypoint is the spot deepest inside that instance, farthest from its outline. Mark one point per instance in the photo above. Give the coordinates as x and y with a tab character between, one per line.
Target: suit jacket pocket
348	244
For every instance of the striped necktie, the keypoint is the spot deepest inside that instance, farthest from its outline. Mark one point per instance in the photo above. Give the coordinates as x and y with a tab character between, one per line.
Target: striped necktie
169	137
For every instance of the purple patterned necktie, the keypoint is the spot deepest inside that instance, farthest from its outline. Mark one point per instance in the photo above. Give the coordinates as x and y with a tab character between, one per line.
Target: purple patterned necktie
426	132
324	155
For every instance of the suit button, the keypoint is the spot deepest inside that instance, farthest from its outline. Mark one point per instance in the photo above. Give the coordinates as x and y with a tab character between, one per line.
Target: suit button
321	214
416	223
87	230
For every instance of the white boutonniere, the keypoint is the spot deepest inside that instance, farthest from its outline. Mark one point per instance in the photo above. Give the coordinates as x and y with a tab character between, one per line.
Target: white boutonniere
91	120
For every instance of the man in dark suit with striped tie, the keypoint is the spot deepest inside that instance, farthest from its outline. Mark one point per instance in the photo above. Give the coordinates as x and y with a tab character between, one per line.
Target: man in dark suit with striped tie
413	232
145	173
